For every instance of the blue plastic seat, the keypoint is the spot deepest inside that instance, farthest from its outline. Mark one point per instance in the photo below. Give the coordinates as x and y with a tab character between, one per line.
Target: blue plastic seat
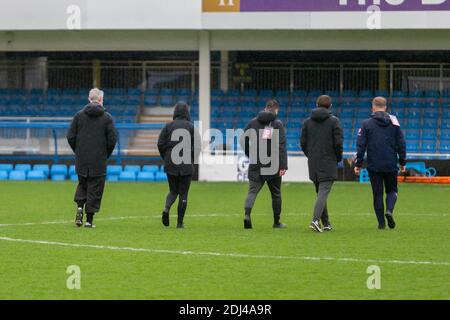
17	175
22	167
430	124
42	167
113	170
416	94
445	135
413	124
150	168
444	148
414	113
432	94
381	93
429	135
299	93
250	93
348	93
127	176
431	114
266	94
59	177
160	176
282	93
151	100
58	170
412	135
3	175
72	170
132	168
36	175
74	177
112	178
445	125
399	94
146	176
6	167
428	147
366	94
167	92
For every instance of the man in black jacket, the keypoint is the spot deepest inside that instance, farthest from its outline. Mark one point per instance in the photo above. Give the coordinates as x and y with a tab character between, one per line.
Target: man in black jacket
179	145
264	143
92	137
383	139
322	143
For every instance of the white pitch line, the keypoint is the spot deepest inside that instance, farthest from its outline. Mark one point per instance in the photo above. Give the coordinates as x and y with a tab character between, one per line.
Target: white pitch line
212	215
66	221
220	254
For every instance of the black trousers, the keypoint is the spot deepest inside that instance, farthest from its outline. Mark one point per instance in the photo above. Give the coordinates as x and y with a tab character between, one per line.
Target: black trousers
178	187
380	181
275	190
90	192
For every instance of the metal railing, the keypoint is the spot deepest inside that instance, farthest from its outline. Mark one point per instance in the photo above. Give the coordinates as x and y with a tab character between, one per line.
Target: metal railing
54	146
260	75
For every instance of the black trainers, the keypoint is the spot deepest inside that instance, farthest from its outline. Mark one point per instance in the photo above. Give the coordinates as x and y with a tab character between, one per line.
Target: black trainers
180	225
381	226
165	219
247	222
279	225
390	220
315	226
79	217
327	227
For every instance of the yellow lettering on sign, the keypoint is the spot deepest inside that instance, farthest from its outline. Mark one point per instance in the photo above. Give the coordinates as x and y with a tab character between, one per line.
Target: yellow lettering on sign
221	5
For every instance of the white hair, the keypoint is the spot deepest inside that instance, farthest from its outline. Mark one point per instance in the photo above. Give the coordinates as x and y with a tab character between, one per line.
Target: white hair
95	95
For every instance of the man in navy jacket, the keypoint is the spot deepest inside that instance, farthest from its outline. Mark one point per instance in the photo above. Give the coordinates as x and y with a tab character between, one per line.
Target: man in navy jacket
384	142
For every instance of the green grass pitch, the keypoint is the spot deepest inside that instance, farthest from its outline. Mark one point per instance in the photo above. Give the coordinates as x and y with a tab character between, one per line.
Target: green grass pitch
214	257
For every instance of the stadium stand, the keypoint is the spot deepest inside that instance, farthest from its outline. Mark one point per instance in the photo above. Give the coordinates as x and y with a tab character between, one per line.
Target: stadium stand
424	117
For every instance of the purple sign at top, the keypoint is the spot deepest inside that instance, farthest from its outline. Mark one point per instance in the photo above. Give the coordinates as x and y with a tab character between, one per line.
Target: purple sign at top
342	5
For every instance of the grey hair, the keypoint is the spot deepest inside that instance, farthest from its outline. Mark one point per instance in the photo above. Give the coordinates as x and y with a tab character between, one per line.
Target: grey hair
95	95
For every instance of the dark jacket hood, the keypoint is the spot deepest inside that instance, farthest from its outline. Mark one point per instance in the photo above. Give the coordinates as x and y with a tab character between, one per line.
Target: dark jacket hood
382	118
320	114
181	112
266	117
94	110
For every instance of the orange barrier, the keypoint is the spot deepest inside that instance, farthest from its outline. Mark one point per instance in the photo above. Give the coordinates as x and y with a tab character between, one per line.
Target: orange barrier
438	180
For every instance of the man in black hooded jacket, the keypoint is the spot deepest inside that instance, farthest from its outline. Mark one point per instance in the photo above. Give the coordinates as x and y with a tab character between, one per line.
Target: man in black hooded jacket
179	145
92	137
383	139
322	143
269	165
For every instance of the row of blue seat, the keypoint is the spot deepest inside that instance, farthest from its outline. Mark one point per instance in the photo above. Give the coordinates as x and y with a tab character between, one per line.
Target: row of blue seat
332	93
39	175
63	169
139	176
60	172
66	91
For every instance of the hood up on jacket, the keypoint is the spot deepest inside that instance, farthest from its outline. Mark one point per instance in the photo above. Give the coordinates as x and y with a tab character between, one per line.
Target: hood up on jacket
382	118
266	117
320	114
181	112
94	110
